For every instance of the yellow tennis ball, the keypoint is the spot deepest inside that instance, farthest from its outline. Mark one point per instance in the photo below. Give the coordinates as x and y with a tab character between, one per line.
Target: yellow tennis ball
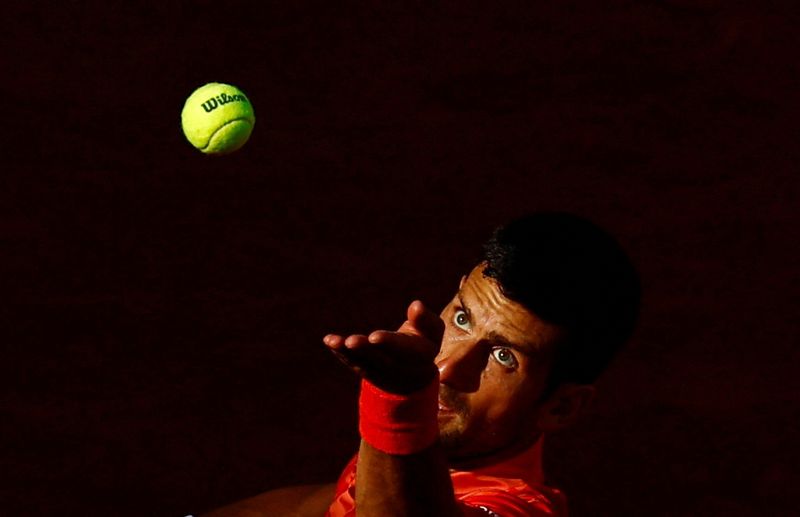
217	118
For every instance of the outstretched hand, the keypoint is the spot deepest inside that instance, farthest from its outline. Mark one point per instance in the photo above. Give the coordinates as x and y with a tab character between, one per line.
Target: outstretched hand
400	361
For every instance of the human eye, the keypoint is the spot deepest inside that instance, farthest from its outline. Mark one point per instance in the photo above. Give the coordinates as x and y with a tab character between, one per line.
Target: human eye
504	356
461	319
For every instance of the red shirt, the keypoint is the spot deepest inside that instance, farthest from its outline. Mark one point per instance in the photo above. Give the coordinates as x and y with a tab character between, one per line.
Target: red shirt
510	488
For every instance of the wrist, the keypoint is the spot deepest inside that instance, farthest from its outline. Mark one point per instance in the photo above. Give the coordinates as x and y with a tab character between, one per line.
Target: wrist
399	423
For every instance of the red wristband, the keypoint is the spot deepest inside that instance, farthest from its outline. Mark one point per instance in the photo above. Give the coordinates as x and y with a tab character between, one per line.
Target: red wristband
399	424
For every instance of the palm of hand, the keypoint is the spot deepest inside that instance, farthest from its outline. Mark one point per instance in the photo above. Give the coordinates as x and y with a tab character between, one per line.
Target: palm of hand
400	361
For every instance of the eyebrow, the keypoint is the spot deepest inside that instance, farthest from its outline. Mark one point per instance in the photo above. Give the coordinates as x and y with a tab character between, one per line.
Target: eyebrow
523	348
499	339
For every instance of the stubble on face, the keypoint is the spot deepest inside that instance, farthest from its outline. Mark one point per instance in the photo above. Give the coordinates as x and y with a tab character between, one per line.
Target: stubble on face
453	418
472	421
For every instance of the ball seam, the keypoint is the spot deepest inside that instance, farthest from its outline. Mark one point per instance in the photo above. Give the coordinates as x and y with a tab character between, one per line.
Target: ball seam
211	136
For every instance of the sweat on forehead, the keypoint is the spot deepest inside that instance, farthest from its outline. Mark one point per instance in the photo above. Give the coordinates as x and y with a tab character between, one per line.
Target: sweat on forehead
482	298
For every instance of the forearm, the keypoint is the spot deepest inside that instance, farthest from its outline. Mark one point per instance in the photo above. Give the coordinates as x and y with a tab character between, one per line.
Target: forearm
403	485
402	470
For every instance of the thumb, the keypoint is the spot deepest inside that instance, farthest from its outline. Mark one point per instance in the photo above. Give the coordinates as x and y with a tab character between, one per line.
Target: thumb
425	322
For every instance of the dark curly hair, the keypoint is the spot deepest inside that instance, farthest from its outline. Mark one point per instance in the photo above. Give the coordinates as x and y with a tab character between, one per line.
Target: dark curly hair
573	274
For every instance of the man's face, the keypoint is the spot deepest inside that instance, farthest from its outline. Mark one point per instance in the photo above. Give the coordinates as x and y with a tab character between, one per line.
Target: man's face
493	365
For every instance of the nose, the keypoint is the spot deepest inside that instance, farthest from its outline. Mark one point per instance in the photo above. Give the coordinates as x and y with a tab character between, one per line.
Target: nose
461	365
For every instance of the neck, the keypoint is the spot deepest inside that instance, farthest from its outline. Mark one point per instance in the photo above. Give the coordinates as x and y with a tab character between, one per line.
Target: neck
498	455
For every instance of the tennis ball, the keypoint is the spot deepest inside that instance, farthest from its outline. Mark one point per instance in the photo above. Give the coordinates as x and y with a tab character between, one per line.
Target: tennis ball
217	118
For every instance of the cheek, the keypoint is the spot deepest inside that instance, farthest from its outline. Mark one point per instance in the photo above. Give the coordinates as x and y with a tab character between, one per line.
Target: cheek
499	392
503	394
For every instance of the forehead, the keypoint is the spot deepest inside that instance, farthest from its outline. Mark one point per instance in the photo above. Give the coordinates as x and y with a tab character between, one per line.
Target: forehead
497	314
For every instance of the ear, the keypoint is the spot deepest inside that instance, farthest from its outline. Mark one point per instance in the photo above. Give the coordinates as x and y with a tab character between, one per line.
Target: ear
565	405
461	283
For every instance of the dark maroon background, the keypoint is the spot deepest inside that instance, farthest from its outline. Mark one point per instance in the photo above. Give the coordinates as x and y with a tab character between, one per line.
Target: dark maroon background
162	310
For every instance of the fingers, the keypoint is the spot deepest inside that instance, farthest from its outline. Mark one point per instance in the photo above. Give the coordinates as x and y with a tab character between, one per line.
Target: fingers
400	362
410	346
360	355
359	351
346	350
333	341
421	322
337	342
